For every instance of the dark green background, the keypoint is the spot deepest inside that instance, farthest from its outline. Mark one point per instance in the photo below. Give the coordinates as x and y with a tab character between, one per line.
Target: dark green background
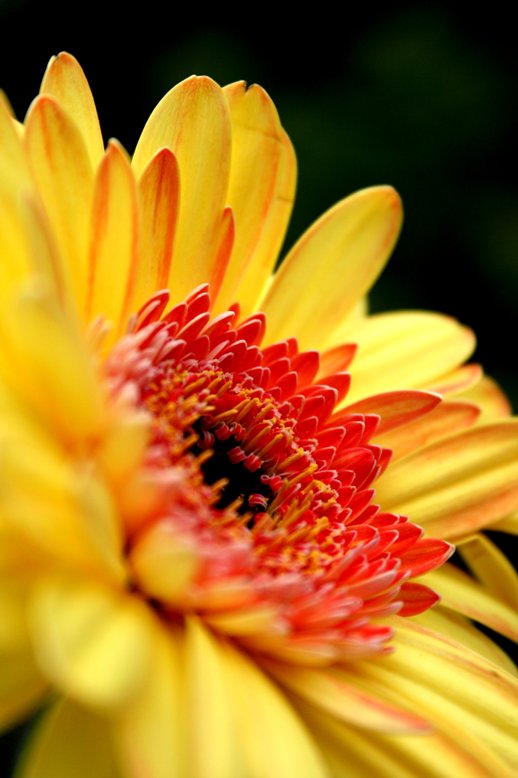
421	96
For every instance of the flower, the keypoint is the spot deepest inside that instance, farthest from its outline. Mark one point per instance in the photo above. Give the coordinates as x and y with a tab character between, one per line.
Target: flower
210	528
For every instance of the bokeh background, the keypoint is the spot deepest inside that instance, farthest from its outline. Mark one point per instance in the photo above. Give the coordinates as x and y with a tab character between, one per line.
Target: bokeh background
419	95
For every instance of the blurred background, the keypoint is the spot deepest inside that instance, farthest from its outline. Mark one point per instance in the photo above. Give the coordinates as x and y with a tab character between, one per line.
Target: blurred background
418	95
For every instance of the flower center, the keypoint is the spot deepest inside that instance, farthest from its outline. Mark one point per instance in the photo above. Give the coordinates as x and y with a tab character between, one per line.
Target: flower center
270	531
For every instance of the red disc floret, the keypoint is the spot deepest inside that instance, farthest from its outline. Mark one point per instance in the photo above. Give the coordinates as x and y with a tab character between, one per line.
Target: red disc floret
276	482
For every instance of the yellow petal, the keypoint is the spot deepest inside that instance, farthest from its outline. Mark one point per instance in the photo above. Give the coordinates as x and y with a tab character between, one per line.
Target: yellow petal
62	170
448	622
488	395
404	350
22	686
212	747
509	524
274	739
449	417
65	81
148	732
164	562
94	644
159	201
459	484
492	568
332	266
193	121
462	594
346	698
45	359
68	742
114	245
352	753
452	686
12	158
261	179
256	277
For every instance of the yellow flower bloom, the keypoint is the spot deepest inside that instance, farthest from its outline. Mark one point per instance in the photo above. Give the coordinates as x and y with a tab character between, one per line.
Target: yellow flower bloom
198	578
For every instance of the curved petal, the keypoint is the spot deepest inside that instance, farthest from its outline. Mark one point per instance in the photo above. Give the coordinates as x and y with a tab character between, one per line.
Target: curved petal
159	188
462	594
449	417
346	698
69	741
114	243
65	81
459	484
63	172
193	121
261	192
82	634
404	350
332	266
147	732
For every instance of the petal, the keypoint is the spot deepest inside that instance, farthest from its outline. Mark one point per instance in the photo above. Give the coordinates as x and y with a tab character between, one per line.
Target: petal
193	121
69	741
487	395
395	409
65	81
159	188
12	158
273	737
443	620
404	350
21	684
332	266
212	748
114	245
459	484
147	732
346	698
352	753
63	173
492	568
261	191
82	635
449	417
462	594
45	359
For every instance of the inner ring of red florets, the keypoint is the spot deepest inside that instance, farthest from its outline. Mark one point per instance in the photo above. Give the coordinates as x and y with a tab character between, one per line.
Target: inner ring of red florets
286	477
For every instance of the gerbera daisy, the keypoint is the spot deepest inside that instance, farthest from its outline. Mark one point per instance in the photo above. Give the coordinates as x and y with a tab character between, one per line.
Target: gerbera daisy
219	483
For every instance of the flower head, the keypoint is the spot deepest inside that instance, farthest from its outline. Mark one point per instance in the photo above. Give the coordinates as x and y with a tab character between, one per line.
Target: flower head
219	482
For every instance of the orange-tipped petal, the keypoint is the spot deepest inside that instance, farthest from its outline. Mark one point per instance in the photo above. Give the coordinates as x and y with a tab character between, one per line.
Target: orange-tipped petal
395	409
114	242
337	260
193	121
345	698
449	417
61	167
159	188
65	81
261	191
